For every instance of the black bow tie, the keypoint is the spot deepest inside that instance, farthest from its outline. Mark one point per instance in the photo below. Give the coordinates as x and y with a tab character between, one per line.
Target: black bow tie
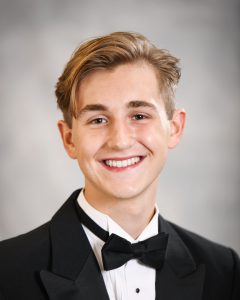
117	251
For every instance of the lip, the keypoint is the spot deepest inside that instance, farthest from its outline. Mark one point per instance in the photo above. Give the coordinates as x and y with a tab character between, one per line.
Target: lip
121	169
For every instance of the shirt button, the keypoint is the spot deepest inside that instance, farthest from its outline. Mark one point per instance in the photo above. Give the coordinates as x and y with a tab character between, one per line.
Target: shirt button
137	290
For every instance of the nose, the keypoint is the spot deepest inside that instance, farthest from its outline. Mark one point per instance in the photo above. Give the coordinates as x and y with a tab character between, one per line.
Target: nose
121	136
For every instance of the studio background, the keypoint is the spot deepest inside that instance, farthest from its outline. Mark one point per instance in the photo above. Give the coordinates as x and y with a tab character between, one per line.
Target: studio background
199	187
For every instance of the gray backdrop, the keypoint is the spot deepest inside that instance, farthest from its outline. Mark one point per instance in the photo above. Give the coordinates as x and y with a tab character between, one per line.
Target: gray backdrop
199	188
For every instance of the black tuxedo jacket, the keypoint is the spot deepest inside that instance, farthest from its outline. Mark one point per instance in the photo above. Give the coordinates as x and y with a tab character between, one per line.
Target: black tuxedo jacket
56	262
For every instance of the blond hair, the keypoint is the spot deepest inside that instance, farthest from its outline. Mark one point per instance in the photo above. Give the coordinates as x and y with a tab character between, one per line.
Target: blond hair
107	52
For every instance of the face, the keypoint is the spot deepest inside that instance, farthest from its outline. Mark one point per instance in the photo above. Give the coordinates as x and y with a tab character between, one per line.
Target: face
122	135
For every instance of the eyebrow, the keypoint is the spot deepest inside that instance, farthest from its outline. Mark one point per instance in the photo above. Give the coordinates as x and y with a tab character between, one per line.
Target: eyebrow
140	103
131	104
92	107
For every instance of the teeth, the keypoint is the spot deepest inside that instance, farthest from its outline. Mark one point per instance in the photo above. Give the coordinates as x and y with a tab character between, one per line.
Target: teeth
122	163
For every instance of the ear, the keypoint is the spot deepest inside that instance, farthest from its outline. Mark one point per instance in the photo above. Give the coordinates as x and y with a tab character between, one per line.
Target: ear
176	127
67	138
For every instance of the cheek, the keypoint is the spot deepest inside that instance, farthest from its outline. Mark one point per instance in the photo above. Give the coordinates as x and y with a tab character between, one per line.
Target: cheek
153	135
87	147
85	142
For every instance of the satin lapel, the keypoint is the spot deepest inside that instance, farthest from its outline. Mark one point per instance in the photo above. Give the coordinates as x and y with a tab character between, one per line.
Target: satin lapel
74	273
180	278
89	285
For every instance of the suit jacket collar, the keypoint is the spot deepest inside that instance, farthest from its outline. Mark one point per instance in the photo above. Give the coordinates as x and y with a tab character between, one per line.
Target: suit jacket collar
181	278
178	256
75	273
70	247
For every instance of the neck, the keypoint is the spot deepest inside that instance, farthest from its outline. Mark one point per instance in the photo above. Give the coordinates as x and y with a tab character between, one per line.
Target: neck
132	214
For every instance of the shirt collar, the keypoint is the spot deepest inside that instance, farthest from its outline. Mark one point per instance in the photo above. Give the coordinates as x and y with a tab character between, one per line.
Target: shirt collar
108	224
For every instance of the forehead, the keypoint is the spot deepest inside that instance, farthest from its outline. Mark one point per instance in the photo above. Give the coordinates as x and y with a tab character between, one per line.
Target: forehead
120	85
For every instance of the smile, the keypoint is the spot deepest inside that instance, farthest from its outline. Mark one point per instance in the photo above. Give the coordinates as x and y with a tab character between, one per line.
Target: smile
122	163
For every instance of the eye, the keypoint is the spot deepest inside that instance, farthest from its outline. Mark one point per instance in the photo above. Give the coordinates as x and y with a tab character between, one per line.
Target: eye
97	121
139	117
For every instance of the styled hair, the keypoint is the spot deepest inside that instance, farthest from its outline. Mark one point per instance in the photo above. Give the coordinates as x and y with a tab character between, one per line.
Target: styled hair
106	53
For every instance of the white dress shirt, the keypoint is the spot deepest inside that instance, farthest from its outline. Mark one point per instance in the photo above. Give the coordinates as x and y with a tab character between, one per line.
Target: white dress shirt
132	281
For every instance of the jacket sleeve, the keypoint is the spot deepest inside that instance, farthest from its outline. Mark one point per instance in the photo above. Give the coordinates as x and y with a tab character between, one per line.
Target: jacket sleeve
236	277
1	296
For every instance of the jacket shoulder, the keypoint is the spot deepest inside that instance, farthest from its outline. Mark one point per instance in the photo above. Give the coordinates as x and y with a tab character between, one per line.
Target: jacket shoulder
25	244
204	249
221	262
23	256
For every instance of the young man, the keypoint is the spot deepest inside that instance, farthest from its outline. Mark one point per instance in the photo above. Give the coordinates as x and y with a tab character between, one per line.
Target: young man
108	240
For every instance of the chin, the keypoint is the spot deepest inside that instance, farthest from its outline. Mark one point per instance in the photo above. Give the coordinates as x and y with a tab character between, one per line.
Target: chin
125	193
